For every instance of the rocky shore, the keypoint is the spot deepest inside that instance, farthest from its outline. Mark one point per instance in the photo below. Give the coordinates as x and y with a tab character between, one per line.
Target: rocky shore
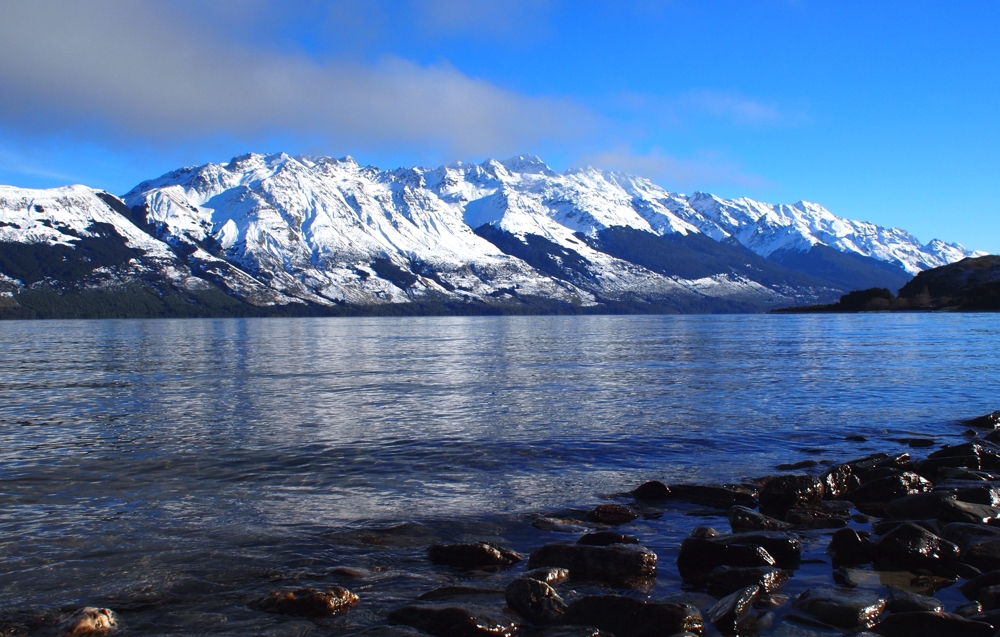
891	544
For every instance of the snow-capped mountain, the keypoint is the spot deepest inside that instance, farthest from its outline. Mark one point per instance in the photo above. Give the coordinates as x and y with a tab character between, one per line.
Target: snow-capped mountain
317	232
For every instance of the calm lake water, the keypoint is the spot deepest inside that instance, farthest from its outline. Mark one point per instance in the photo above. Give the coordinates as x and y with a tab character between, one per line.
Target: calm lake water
172	470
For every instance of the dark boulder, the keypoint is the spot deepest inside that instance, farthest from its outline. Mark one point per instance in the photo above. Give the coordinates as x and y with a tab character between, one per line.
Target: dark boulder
447	592
880	461
743	519
630	617
652	490
85	622
535	601
723	580
450	622
904	602
989	421
471	556
972	587
913	548
606	538
699	555
618	563
848	547
719	496
989	597
965	534
785	548
956	511
838	481
733	614
919	505
612	514
928	624
988	494
308	602
890	487
984	555
785	492
845	608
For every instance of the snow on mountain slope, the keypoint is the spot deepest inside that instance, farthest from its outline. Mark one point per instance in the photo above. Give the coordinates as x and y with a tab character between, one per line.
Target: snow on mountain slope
331	231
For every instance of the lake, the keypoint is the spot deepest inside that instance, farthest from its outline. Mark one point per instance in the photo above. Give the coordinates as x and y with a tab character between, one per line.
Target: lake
174	469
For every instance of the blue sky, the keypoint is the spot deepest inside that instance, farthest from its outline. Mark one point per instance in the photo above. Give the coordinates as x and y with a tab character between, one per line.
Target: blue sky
884	112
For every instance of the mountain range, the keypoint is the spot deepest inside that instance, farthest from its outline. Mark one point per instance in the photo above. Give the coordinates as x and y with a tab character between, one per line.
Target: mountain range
282	235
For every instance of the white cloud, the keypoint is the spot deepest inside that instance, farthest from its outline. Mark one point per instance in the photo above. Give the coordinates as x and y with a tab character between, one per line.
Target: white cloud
675	172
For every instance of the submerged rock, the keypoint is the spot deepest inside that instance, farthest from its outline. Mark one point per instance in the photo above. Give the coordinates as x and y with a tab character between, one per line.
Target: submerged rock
928	624
535	600
743	519
549	575
989	421
446	592
719	496
477	555
652	490
841	607
732	615
450	622
612	514
89	621
606	538
614	564
634	617
308	602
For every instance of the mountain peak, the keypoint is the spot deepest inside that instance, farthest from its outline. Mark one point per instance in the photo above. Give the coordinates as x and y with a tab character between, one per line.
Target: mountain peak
527	164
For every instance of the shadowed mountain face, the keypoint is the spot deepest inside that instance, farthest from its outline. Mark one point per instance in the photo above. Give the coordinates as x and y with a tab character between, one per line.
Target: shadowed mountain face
970	284
280	234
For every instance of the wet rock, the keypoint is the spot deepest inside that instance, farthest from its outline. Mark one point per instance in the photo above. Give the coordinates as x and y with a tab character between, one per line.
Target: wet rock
477	555
972	587
912	547
614	564
816	518
931	467
881	461
446	592
732	615
698	556
989	421
354	573
920	442
549	575
743	519
847	546
904	602
635	618
970	609
957	511
723	580
560	525
874	474
987	494
920	505
965	535
989	597
89	621
785	492
535	601
652	490
450	622
563	631
805	464
606	538
884	526
890	487
959	473
927	624
785	548
841	607
855	438
612	514
308	602
838	481
984	555
718	496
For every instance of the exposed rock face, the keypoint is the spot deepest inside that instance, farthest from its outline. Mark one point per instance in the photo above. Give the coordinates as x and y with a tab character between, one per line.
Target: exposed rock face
308	602
970	284
785	492
635	618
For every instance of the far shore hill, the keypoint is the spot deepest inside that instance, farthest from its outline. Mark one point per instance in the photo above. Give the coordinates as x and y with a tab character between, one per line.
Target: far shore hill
970	285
